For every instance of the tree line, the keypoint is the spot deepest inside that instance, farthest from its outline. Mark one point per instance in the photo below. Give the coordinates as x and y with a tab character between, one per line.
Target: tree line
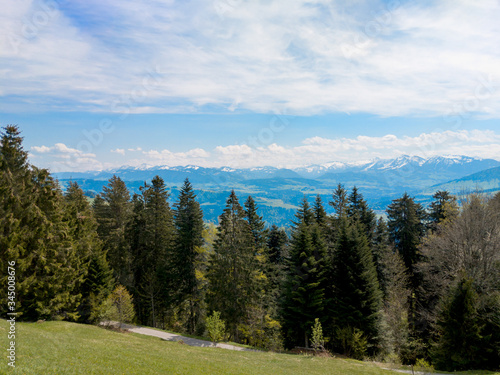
422	283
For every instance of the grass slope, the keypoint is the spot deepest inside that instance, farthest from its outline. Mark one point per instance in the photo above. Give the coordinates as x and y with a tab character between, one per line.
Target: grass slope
68	348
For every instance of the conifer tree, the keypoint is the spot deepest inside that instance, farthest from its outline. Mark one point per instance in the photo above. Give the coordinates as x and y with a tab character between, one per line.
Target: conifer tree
304	214
357	209
233	272
113	211
460	344
257	225
153	257
356	295
443	207
96	276
319	212
35	236
304	290
188	221
277	242
406	222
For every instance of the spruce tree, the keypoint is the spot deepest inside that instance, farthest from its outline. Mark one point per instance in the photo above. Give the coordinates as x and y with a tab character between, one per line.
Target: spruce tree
153	258
94	273
35	236
406	222
233	272
257	225
304	289
460	346
443	207
356	294
319	212
113	211
188	221
357	209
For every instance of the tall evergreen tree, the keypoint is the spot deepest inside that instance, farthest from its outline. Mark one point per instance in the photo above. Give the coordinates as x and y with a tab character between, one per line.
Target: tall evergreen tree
460	344
277	242
304	298
356	297
443	207
319	212
93	274
339	202
153	258
357	209
304	214
35	236
233	270
406	222
257	225
113	211
188	220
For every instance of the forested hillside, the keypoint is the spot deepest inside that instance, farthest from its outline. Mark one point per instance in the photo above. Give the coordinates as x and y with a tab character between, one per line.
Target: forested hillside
423	284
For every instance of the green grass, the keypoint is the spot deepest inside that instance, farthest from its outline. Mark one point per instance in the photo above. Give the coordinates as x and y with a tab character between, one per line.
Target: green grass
67	348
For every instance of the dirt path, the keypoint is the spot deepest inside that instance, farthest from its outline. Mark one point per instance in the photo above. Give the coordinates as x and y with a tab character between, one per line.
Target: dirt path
174	337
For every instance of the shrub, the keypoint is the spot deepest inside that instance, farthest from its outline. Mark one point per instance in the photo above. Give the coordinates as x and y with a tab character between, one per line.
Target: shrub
215	327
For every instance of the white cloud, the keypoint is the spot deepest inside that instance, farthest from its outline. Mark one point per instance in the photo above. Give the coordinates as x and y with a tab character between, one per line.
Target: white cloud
63	158
120	151
429	58
315	150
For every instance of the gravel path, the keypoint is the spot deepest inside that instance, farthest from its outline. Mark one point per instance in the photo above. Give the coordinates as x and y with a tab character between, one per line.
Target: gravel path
173	337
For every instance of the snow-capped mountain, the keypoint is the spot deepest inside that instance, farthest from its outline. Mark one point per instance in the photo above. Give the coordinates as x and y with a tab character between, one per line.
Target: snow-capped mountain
439	168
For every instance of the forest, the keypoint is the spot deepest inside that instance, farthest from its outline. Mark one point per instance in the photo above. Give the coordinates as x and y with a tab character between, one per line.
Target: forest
421	283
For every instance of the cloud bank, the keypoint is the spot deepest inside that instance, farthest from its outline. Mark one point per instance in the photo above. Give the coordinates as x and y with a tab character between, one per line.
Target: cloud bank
314	150
303	56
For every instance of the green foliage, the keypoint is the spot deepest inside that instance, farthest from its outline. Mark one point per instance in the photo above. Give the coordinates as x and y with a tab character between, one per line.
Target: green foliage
352	341
357	299
188	221
119	307
460	346
151	232
234	275
304	292
216	327
317	339
35	234
113	212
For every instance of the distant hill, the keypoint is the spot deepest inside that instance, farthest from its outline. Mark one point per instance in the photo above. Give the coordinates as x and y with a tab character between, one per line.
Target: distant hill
278	191
487	181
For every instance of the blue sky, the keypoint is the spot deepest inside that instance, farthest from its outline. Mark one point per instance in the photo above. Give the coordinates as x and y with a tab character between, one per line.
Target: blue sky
100	84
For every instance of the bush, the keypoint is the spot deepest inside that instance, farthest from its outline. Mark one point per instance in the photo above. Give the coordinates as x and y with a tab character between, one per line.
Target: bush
117	307
216	327
352	341
317	340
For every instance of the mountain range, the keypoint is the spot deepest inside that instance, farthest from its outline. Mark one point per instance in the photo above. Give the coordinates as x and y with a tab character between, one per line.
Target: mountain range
279	190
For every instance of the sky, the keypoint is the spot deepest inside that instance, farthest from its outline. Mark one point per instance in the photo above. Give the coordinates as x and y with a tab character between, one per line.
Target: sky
98	84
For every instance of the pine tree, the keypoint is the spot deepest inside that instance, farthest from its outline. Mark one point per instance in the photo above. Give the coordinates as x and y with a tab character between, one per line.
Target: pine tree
153	257
233	270
257	225
319	212
113	211
357	209
339	202
444	207
35	236
406	222
356	294
460	342
304	288
304	214
188	221
94	273
277	242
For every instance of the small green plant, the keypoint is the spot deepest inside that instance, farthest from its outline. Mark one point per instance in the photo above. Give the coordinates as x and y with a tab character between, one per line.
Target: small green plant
353	342
215	327
317	340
